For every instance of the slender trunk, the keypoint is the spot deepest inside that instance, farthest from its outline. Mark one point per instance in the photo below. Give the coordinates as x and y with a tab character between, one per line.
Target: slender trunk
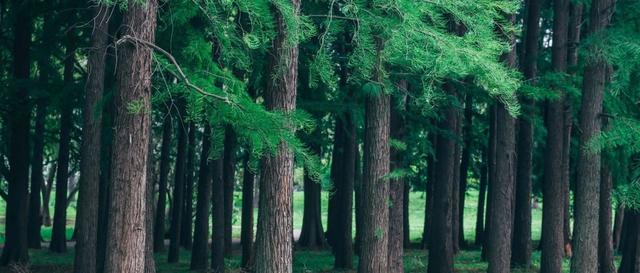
149	260
617	226
104	197
337	169
199	251
465	163
440	238
587	194
491	168
396	187
159	221
311	235
15	248
357	186
343	247
605	240
230	144
58	233
175	229
246	232
631	251
217	213
481	201
406	235
186	237
126	233
275	226
431	178
87	214
37	178
455	190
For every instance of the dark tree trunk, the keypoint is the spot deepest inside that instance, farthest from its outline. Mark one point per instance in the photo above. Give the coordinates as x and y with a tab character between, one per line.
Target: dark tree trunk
58	233
178	189
217	211
455	189
199	251
230	144
106	151
311	235
605	236
275	226
343	247
481	201
159	221
357	186
631	251
337	169
552	241
465	163
587	194
37	178
431	178
406	235
15	247
186	238
617	226
246	232
396	186
87	214
522	245
149	260
491	168
126	232
440	238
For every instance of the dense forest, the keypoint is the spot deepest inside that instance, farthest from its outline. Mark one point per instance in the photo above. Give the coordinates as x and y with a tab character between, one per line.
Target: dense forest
280	136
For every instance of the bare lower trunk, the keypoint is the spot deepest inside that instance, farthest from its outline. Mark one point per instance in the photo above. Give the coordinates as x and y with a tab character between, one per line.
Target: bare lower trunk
396	188
605	240
126	231
230	144
159	221
186	235
246	232
217	211
177	203
199	250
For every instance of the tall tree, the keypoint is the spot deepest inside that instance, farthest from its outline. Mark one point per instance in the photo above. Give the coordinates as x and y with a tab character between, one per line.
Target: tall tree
217	211
159	221
465	163
311	235
186	238
553	209
481	201
126	232
199	250
605	240
631	251
178	189
15	247
87	214
343	247
246	231
230	144
587	194
396	187
149	259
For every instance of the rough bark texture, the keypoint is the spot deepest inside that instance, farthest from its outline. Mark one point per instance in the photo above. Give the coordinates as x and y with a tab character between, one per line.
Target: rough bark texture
199	250
343	247
605	240
177	204
58	232
587	194
522	246
230	144
311	235
217	211
89	192
617	226
126	231
186	236
275	227
149	259
15	248
440	238
631	251
396	187
246	232
552	241
481	201
491	169
159	222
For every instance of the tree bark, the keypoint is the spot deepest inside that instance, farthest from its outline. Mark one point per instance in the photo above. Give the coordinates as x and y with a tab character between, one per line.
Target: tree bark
126	231
406	235
159	221
230	144
89	191
343	247
175	229
396	186
186	236
199	250
431	181
631	251
465	163
37	178
491	168
15	248
605	236
217	211
58	233
440	239
246	232
587	194
481	201
337	169
617	226
275	225
311	235
149	260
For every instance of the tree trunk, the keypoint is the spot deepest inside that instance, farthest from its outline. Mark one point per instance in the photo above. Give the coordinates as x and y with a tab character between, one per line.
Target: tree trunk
396	186
431	180
126	232
357	203
246	232
605	240
159	223
15	248
631	251
617	226
58	233
87	214
343	247
275	223
104	197
337	169
149	260
230	144
186	237
406	235
522	246
587	194
440	238
481	201
491	168
217	211
465	163
552	241
37	178
199	251
455	192
311	235
178	189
